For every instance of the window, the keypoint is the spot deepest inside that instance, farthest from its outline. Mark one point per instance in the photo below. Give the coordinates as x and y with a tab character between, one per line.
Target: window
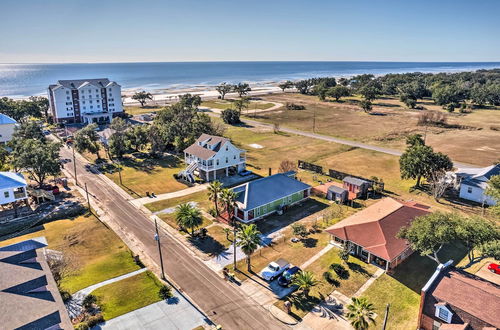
443	313
90	101
469	190
68	98
83	102
6	194
83	96
84	108
227	160
217	162
91	107
98	106
227	148
234	156
436	325
67	92
97	91
109	89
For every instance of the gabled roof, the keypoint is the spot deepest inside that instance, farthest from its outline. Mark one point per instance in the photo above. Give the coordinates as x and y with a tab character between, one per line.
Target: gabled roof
4	120
375	228
354	181
266	190
11	180
29	298
211	144
77	83
465	292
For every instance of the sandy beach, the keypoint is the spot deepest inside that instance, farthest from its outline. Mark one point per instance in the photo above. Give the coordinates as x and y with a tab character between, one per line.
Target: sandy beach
166	96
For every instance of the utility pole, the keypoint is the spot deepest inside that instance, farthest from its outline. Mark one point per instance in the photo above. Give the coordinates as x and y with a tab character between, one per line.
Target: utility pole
157	239
88	199
74	166
120	173
314	121
234	244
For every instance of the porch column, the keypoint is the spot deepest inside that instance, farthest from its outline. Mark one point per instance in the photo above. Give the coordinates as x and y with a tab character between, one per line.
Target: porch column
369	257
227	171
215	174
387	265
245	215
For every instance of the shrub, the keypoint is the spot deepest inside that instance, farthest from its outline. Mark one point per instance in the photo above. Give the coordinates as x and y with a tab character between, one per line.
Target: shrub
230	116
432	118
293	106
340	270
95	320
165	292
365	105
495	128
82	326
88	301
299	230
212	212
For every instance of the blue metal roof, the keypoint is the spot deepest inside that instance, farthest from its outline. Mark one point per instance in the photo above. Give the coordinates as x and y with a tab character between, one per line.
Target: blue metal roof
4	119
11	180
269	189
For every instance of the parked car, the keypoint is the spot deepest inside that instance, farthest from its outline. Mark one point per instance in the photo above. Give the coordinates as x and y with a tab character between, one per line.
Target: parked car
494	268
286	278
274	269
245	173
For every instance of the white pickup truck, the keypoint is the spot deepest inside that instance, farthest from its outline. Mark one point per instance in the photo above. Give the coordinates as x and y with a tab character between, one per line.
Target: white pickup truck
274	269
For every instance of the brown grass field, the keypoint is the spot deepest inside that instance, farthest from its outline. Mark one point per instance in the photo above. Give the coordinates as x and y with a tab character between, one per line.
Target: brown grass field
390	122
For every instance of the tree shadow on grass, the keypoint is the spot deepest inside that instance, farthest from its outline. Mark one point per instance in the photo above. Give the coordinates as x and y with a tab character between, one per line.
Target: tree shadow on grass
208	245
310	242
358	269
303	303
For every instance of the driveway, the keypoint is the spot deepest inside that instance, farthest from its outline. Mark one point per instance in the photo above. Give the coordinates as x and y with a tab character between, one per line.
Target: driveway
174	313
263	292
488	275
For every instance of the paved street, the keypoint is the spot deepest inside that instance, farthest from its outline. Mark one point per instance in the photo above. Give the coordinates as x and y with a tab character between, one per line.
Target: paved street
223	302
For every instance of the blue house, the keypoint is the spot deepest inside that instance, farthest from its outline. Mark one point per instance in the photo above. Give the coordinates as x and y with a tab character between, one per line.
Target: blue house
262	197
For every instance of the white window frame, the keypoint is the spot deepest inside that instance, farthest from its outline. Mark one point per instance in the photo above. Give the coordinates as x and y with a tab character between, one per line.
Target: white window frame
440	309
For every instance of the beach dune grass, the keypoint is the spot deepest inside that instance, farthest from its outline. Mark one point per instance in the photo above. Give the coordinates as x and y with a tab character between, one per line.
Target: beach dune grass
95	252
127	295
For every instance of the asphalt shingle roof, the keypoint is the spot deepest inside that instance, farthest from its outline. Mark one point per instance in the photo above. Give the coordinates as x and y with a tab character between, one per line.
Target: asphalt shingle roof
266	190
354	181
101	82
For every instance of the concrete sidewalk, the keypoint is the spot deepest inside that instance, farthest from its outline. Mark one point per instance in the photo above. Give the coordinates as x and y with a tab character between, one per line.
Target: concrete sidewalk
188	191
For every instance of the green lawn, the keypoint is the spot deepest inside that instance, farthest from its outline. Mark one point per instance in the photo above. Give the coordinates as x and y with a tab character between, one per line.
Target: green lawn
170	220
136	110
129	294
225	104
153	175
402	289
359	273
201	198
95	252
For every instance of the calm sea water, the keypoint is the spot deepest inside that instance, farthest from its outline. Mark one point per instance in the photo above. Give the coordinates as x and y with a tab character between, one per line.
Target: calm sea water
20	80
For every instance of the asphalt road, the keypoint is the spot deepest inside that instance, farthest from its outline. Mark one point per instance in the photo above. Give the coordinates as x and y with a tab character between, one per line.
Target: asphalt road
222	302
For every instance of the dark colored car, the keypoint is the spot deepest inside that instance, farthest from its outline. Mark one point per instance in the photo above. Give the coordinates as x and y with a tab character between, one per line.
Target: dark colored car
494	268
286	278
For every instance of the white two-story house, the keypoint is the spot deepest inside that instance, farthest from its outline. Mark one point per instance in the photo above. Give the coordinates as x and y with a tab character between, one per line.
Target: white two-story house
7	127
212	157
12	187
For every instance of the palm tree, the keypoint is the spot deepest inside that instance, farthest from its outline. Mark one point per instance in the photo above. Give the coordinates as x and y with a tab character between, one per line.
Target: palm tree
360	313
228	198
214	190
304	281
248	240
188	216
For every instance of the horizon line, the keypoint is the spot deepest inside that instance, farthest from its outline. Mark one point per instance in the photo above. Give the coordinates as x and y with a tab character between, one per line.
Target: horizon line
246	61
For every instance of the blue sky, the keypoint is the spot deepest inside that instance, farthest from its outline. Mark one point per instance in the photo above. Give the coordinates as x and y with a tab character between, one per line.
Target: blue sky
217	30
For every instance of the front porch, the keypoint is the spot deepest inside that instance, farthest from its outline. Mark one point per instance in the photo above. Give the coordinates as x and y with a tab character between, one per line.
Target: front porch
97	117
359	252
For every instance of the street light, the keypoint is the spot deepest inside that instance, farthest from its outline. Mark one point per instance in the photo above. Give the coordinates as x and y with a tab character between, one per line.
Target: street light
157	239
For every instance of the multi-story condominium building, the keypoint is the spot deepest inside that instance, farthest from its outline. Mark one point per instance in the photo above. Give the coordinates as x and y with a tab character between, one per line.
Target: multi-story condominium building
85	101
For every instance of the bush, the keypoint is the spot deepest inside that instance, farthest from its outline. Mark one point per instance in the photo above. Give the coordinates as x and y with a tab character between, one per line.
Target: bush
212	212
230	116
65	295
340	270
293	106
82	326
89	301
165	292
95	320
299	230
432	118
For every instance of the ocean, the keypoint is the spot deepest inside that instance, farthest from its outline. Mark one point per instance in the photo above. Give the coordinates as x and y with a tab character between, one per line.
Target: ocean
21	80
